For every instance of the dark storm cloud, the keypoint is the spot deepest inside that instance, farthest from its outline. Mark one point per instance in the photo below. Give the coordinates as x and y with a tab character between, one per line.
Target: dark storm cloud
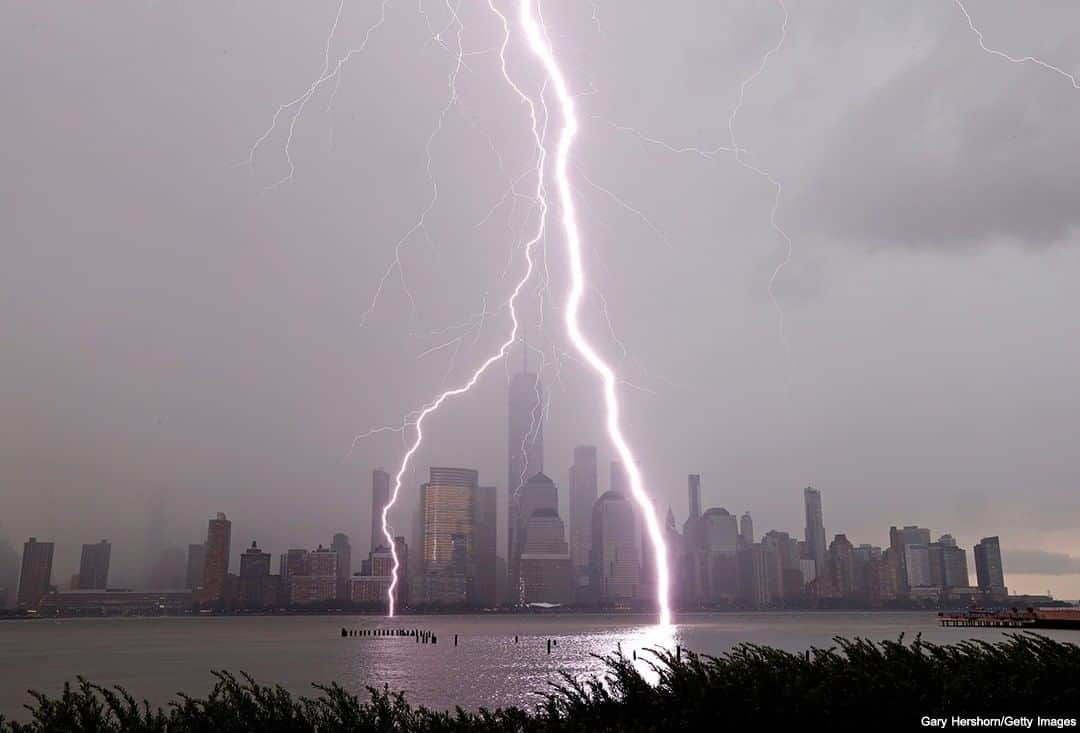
1038	562
960	149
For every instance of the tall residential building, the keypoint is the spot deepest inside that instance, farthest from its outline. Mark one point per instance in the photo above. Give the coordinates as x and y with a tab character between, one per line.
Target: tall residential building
94	566
380	497
258	588
753	574
898	539
401	590
815	529
254	562
36	572
917	566
861	557
323	561
321	582
216	567
9	573
374	585
616	571
196	564
524	454
293	562
841	566
954	567
341	546
786	548
583	493
988	569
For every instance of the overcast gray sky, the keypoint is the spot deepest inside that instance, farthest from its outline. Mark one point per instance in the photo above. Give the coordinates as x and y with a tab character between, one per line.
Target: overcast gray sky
181	337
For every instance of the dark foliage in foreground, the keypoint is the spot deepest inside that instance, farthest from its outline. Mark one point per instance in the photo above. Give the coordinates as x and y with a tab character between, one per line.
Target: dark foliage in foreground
856	684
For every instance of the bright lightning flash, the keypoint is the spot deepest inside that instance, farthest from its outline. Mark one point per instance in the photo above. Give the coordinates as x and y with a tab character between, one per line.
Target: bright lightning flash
511	339
544	53
540	47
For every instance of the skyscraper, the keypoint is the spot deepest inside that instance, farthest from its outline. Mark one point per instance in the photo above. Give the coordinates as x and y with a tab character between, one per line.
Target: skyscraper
9	573
483	589
718	575
545	560
321	582
216	566
954	567
988	569
457	552
254	563
617	479
538	492
582	497
169	571
815	529
899	539
693	486
94	566
196	564
36	572
380	497
524	451
447	508
841	566
746	529
341	546
323	562
615	557
258	588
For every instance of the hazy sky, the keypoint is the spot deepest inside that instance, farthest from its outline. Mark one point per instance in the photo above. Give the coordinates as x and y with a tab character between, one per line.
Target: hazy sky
181	336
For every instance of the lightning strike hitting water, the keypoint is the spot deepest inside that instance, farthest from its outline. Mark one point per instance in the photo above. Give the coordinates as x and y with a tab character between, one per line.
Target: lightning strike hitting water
542	50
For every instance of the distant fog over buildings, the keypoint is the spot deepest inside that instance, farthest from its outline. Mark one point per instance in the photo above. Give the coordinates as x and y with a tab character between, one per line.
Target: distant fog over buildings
596	554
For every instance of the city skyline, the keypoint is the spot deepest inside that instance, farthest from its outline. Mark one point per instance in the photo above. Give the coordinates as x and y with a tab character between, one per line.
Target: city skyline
602	555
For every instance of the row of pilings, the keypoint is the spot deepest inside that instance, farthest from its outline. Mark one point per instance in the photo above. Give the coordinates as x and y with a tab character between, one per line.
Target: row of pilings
420	636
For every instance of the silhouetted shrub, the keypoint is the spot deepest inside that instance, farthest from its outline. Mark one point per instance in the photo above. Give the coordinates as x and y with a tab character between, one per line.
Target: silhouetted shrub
856	684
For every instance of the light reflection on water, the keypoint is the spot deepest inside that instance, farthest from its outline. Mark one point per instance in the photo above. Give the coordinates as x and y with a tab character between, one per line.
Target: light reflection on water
156	658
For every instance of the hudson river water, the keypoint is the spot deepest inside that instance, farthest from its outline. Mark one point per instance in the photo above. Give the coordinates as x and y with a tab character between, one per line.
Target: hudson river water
154	658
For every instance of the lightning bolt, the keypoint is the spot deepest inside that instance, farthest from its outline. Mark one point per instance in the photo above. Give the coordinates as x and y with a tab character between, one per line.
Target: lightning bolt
541	48
532	27
777	186
1014	59
511	339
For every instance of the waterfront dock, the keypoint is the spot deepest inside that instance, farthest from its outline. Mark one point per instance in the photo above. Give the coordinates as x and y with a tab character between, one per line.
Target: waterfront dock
1029	618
